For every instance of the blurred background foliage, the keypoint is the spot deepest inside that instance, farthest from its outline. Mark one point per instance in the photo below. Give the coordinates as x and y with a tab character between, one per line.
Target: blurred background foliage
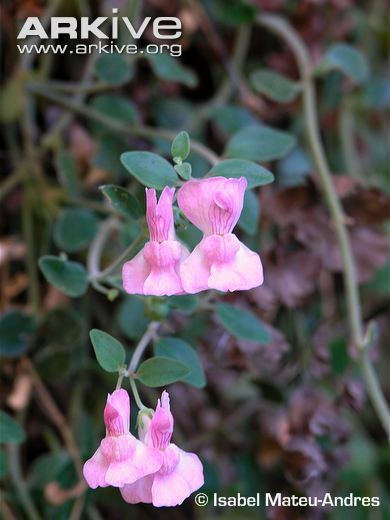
284	407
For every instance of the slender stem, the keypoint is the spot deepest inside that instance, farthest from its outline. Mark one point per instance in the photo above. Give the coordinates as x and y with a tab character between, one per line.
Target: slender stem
10	182
19	482
137	398
147	132
57	417
143	343
287	33
135	358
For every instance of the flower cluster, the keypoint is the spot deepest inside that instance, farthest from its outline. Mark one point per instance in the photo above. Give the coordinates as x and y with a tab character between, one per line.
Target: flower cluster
220	261
150	470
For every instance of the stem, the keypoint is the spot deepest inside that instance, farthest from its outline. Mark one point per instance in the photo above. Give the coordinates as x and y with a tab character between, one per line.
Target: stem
19	482
143	343
52	410
135	358
147	132
10	182
287	33
96	249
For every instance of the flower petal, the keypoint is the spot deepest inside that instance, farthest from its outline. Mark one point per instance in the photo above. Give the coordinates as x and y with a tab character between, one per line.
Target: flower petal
244	272
190	469
134	274
169	490
117	412
138	491
196	197
194	271
95	470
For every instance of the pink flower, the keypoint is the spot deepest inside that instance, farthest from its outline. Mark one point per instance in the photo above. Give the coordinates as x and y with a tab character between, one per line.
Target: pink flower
220	261
155	269
121	458
180	474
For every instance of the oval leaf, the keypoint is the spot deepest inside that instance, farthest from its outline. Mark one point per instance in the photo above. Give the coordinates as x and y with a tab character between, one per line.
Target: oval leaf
122	200
69	277
109	352
180	350
181	146
259	143
274	85
10	431
150	169
255	174
250	214
242	323
166	67
75	229
347	59
160	371
113	69
16	332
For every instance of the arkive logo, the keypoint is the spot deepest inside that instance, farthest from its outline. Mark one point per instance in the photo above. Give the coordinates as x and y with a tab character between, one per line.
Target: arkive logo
164	27
103	29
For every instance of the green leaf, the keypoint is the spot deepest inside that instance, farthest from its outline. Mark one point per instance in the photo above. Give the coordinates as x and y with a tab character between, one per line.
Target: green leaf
47	468
109	351
242	323
348	60
255	174
10	431
170	69
75	229
274	85
160	371
231	118
259	143
122	200
150	169
114	106
131	317
175	348
339	358
16	333
250	214
184	170
294	169
113	69
181	146
67	172
185	303
3	463
69	277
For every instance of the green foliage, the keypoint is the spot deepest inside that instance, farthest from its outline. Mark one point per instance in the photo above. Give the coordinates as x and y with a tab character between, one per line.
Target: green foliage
255	174
16	332
250	215
115	106
183	170
181	146
259	143
167	68
349	60
10	431
180	350
3	464
160	371
75	229
122	200
67	172
150	169
113	69
67	276
47	468
242	323
109	352
131	317
274	85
